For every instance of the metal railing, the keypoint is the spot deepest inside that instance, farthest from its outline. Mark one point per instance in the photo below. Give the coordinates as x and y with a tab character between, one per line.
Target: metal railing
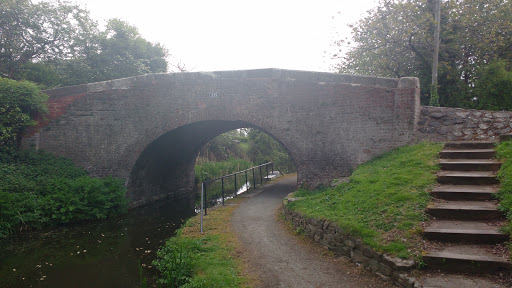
224	180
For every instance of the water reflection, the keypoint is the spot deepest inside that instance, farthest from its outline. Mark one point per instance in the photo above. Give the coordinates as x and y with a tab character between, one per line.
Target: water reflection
242	189
103	254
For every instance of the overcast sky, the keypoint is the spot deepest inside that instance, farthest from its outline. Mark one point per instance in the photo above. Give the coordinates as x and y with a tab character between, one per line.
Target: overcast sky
209	35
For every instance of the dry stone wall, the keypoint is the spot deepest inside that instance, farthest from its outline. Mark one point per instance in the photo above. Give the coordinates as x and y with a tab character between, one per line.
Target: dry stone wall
456	124
342	243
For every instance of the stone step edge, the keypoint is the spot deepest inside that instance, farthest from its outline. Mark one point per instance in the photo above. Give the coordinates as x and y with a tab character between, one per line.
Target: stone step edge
464	231
468	165
456	144
477	214
486	150
468	161
461	208
445	177
463	196
464	188
455	235
467	257
467	192
468	174
467	154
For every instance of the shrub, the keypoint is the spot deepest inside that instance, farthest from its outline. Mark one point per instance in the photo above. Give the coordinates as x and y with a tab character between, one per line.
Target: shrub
177	261
493	90
208	170
38	189
19	101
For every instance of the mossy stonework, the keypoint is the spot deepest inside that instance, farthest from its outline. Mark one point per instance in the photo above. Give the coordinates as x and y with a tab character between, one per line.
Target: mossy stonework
443	124
339	241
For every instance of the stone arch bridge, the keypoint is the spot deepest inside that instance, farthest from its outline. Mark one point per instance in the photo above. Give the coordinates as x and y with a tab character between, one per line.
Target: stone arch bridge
148	129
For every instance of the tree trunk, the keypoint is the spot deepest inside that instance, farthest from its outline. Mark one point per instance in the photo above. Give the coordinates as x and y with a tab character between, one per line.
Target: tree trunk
437	17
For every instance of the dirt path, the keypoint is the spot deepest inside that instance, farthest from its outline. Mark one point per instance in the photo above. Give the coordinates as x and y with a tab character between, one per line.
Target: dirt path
280	259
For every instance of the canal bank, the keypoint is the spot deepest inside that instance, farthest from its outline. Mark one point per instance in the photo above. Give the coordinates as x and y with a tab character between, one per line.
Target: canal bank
97	254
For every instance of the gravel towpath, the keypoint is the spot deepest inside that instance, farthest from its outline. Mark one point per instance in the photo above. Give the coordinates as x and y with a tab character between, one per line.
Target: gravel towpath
278	258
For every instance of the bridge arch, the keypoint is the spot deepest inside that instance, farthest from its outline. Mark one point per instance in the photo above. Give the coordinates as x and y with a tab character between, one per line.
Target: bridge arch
328	122
167	164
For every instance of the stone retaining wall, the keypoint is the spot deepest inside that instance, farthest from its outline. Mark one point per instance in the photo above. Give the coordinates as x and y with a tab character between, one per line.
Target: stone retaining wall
340	242
456	124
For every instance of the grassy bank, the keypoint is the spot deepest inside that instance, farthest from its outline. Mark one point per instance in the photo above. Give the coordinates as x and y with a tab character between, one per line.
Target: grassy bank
39	190
384	201
504	154
209	259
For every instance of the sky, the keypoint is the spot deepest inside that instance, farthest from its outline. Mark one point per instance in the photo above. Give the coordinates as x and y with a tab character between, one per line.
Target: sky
215	35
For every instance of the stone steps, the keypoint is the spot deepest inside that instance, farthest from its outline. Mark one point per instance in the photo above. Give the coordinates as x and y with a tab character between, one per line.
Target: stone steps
469	164
467	177
465	228
467	153
466	258
470	145
465	192
465	231
471	210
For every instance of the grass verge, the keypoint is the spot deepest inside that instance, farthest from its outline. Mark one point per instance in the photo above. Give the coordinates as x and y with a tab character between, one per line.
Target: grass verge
504	154
384	201
209	259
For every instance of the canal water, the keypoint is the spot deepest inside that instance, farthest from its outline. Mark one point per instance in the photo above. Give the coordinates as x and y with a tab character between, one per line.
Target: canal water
111	253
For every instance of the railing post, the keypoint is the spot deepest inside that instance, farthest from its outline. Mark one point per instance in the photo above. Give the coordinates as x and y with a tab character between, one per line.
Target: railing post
222	181
202	203
261	177
253	178
204	186
205	199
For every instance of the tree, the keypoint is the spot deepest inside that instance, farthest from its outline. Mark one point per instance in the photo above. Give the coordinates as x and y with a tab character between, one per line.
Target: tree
19	101
263	148
223	147
121	52
56	43
493	89
392	41
395	39
40	32
434	96
41	73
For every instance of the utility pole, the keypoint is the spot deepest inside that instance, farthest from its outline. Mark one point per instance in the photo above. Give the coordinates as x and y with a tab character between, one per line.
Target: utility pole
434	96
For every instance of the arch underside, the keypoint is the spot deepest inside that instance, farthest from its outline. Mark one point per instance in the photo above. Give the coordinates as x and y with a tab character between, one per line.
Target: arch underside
166	167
